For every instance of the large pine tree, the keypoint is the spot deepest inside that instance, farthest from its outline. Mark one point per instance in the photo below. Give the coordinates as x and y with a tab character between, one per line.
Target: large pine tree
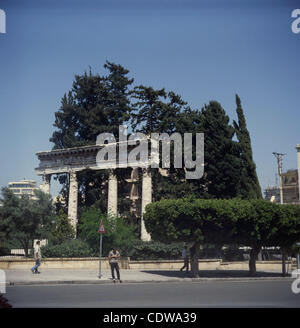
249	187
96	104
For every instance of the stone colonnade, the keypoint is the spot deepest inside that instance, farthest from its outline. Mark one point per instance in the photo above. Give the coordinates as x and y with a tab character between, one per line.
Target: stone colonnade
112	204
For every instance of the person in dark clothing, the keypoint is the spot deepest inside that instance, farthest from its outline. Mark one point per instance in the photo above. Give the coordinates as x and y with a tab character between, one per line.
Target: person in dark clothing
185	259
113	257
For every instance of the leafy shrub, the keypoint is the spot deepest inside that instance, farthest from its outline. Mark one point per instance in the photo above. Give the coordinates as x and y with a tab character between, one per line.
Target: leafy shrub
153	250
62	230
69	248
232	253
118	233
4	251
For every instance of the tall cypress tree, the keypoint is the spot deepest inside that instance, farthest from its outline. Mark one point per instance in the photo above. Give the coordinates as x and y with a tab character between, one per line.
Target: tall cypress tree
221	157
249	187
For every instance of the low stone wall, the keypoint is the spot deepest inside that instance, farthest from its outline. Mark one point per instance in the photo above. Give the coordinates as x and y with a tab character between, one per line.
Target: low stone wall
260	265
209	264
61	263
125	263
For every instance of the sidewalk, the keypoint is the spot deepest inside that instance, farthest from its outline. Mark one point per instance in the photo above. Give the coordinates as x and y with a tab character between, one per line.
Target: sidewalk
71	276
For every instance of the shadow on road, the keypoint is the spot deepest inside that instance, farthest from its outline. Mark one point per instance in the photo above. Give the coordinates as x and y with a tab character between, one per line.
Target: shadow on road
212	273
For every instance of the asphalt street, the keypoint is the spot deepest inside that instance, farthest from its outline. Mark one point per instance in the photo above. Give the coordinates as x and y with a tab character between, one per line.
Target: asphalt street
256	293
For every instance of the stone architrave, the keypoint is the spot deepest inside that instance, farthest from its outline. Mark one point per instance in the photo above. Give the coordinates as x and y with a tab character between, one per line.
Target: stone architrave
146	199
73	200
112	206
45	186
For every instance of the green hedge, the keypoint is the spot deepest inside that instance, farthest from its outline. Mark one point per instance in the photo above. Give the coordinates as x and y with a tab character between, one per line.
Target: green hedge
140	250
70	248
4	251
154	250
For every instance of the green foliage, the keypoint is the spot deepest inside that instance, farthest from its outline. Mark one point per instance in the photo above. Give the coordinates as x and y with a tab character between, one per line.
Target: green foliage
118	234
249	187
100	103
26	219
153	250
96	104
62	229
232	253
221	156
250	223
253	223
69	248
4	251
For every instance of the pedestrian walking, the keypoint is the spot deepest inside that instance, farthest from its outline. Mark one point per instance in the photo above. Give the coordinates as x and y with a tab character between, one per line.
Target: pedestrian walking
37	256
113	257
185	259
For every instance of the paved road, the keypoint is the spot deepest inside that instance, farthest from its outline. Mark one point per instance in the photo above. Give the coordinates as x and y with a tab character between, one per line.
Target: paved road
267	293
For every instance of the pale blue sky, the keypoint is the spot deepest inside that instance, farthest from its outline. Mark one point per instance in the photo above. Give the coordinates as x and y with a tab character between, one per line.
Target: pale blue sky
202	50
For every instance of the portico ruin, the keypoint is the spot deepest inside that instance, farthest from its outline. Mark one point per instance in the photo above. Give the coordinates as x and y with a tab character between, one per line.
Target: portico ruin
74	160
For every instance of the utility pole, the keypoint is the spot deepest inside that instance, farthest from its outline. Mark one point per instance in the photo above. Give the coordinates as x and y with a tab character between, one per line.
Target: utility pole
279	165
298	160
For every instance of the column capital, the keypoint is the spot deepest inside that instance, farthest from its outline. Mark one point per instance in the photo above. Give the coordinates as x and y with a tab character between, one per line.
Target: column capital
73	174
146	170
112	174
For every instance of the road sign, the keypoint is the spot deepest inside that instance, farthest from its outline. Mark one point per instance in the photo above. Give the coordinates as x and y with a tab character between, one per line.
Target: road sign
101	228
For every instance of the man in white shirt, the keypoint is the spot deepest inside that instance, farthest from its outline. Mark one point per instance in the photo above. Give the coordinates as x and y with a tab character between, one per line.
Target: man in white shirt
37	256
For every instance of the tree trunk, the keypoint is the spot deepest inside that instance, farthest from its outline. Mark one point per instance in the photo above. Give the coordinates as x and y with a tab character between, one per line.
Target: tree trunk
252	261
194	251
25	245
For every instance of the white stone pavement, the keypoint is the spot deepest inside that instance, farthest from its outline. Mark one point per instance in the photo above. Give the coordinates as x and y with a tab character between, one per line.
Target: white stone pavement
67	276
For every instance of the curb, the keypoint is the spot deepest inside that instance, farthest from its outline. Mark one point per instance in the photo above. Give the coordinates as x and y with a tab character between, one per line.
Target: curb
102	282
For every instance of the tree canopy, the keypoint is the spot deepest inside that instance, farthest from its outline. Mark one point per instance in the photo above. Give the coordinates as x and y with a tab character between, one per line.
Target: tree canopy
253	223
117	232
100	103
25	218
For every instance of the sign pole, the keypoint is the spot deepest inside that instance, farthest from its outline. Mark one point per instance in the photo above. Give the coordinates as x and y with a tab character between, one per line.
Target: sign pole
101	231
99	275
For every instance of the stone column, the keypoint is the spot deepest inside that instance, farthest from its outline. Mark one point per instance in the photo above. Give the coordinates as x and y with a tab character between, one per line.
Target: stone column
146	199
45	186
73	200
112	206
298	158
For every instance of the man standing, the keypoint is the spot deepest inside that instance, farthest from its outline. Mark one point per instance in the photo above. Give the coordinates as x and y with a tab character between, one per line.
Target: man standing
113	257
37	256
185	259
